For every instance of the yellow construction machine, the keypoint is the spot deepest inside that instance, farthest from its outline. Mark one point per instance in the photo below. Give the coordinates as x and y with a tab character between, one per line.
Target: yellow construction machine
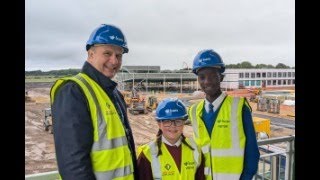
135	104
262	127
152	103
127	97
255	93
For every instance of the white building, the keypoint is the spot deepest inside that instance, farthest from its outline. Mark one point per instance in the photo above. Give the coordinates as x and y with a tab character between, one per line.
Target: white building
249	78
152	77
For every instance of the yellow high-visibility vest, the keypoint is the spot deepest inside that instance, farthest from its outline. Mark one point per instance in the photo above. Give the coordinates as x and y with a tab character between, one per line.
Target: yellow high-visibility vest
110	154
224	148
164	167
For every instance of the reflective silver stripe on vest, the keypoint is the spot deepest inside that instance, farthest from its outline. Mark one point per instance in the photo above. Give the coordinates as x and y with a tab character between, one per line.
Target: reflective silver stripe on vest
205	149
155	161
195	152
103	143
194	120
207	171
120	172
235	150
220	176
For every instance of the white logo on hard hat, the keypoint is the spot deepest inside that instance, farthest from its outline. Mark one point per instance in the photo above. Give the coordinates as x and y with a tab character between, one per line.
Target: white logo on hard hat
170	111
205	59
116	37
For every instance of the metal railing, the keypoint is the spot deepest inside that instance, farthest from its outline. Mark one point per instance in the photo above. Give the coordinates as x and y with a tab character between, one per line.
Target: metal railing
52	175
276	163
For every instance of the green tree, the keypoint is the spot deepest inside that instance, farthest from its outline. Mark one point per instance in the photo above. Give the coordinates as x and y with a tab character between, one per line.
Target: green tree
261	66
246	65
282	66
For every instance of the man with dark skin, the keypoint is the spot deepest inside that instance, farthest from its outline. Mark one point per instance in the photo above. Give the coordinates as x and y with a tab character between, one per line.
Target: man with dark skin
222	124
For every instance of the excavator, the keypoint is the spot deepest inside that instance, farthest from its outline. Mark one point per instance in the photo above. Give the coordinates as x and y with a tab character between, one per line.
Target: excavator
256	92
135	103
152	103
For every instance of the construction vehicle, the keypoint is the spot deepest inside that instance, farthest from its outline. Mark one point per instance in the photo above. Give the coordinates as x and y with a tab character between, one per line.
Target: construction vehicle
127	97
152	103
136	104
262	127
47	123
256	92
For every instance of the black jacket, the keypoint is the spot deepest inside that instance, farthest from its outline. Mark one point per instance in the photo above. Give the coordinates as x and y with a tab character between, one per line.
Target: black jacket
72	126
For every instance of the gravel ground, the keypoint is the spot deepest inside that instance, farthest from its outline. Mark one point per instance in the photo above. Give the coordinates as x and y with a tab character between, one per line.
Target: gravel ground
39	145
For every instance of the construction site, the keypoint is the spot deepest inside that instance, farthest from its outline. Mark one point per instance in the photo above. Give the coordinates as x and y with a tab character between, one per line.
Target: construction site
273	113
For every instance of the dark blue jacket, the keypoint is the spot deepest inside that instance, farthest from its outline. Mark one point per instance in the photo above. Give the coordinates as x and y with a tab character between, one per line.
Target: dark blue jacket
72	126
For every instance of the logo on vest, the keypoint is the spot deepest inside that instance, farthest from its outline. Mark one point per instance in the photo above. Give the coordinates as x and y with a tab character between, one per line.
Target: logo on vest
223	123
168	173
109	111
189	165
167	166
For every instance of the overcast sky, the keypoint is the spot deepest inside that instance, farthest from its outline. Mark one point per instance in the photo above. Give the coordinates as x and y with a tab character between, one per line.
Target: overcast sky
166	33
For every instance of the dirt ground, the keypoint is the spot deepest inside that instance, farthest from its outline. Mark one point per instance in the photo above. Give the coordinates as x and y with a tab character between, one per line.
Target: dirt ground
39	145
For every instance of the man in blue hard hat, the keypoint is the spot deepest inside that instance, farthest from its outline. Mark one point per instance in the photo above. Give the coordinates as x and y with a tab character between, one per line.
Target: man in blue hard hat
222	124
92	135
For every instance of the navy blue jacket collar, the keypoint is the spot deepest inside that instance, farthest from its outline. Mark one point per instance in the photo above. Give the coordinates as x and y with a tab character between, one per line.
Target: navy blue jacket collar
97	76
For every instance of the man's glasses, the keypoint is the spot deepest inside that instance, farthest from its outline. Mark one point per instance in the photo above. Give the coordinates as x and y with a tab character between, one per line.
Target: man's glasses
169	123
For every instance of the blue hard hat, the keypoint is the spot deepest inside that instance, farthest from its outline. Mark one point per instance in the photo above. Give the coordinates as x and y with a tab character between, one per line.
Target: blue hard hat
108	34
171	109
207	58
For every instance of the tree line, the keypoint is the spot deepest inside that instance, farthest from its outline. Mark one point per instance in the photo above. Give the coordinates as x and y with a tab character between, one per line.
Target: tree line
242	65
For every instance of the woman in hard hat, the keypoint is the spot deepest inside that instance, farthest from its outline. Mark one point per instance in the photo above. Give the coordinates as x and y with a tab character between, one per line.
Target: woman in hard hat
172	155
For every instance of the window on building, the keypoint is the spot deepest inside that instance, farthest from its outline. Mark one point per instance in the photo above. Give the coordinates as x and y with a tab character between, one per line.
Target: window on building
258	83
241	85
246	75
246	83
264	74
268	74
293	81
274	74
293	74
284	74
274	82
253	75
289	74
269	82
284	82
279	82
258	75
279	74
253	83
240	75
289	82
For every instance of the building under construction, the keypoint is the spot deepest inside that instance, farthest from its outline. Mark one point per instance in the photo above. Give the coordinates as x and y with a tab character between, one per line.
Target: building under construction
151	78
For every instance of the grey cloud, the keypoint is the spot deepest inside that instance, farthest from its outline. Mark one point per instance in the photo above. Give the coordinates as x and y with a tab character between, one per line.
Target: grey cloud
164	33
